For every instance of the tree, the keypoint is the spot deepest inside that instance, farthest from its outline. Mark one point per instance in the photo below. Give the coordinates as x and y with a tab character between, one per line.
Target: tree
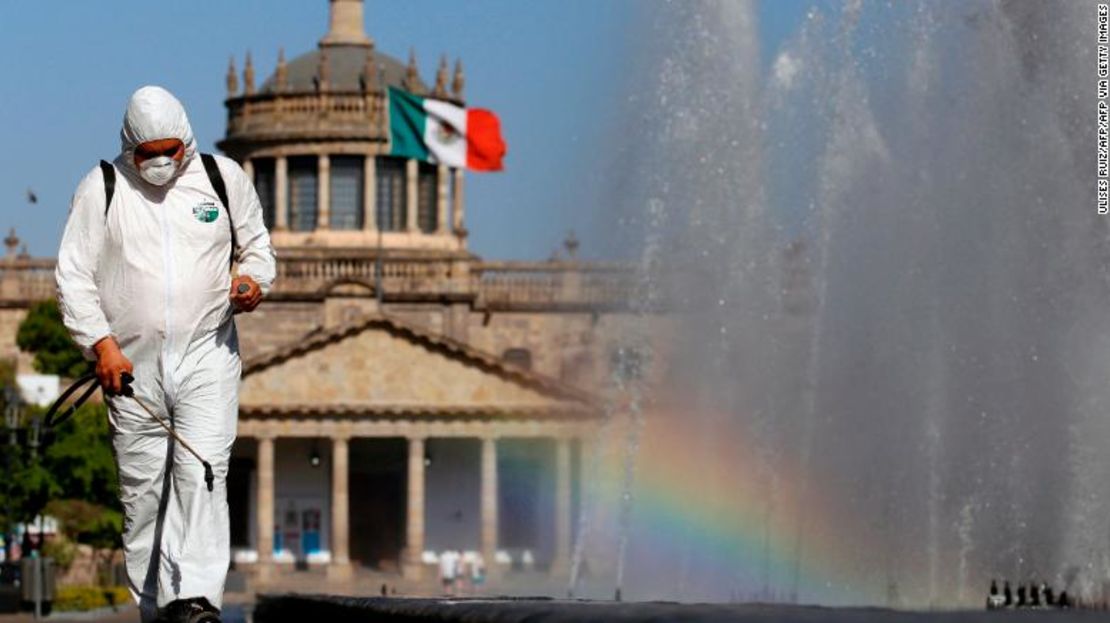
43	333
80	458
73	473
72	476
85	522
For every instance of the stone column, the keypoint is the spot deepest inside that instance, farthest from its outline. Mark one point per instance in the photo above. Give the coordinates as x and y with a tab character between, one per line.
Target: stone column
412	171
414	531
369	193
281	195
265	508
340	567
561	559
441	198
457	205
248	168
489	502
323	194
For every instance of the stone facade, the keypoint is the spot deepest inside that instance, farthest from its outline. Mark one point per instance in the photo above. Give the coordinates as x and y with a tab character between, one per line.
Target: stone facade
387	341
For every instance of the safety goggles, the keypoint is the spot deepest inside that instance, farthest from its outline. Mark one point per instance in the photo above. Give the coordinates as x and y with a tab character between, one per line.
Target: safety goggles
146	152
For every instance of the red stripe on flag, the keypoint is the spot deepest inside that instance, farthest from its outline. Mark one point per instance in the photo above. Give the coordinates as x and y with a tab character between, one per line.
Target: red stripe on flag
484	146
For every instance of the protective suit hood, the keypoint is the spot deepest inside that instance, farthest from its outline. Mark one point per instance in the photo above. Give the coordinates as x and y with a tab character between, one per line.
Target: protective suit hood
153	113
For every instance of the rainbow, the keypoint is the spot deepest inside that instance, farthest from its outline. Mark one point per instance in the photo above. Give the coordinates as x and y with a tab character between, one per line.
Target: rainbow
706	525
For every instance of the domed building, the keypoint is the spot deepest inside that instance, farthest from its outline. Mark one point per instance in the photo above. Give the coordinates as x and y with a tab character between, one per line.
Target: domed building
315	137
401	396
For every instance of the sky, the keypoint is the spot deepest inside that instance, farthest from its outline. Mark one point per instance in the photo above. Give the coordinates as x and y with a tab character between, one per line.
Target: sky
554	71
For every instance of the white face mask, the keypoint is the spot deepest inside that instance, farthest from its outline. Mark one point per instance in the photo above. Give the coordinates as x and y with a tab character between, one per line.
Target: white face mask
158	171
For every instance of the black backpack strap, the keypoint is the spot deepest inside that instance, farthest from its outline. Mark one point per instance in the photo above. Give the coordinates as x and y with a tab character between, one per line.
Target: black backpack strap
217	180
109	172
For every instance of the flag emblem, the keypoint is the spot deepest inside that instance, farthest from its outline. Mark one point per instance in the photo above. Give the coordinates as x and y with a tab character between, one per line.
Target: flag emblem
446	133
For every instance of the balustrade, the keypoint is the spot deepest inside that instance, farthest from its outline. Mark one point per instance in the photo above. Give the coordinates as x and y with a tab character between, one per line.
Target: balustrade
25	280
502	285
357	114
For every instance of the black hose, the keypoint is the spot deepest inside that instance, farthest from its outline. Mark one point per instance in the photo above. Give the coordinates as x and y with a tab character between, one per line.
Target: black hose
52	418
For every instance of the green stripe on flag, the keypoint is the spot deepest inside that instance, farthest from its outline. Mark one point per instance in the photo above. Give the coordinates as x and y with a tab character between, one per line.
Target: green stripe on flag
406	125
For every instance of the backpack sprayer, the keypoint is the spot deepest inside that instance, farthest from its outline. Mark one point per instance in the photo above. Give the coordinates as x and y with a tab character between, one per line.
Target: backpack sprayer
53	418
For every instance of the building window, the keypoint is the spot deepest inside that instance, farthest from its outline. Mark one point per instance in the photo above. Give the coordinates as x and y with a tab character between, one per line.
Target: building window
391	190
264	186
302	193
426	192
519	357
346	192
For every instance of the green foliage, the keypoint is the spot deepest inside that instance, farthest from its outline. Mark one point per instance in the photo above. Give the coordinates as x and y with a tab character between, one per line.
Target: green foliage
75	468
77	598
80	458
80	597
84	481
74	478
62	550
31	485
85	522
43	333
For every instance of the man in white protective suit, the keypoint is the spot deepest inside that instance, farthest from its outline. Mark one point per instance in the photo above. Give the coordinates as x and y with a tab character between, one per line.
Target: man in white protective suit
145	287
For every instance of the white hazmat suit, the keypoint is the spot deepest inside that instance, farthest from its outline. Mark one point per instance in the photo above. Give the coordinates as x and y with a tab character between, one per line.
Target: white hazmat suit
153	272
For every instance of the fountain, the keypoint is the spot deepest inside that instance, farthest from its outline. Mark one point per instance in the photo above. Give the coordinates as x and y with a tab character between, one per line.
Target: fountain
886	272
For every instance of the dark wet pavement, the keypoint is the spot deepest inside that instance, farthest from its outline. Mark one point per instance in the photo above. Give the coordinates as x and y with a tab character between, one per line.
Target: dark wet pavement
333	609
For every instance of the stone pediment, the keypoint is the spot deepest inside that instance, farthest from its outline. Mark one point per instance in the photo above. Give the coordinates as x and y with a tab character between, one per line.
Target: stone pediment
382	367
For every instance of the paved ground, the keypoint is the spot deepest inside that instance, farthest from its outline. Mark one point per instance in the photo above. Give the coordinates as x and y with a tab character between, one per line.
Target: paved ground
129	615
233	613
336	609
276	609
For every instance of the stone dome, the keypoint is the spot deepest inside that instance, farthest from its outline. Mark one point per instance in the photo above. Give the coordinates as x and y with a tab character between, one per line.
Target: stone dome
346	65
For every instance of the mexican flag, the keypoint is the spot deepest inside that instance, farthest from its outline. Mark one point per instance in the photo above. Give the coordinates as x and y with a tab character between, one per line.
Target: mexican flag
441	132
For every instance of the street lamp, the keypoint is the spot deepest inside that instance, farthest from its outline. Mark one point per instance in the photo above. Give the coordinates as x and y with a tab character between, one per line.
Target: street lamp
12	413
34	434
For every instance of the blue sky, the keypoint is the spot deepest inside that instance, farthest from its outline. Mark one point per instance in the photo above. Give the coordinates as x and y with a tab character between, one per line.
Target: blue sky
553	70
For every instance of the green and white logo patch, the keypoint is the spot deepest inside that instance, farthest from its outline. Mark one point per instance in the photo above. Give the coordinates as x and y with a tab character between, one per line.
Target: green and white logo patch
206	212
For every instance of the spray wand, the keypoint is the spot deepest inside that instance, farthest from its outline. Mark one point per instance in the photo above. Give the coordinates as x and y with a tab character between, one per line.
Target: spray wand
53	419
126	380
